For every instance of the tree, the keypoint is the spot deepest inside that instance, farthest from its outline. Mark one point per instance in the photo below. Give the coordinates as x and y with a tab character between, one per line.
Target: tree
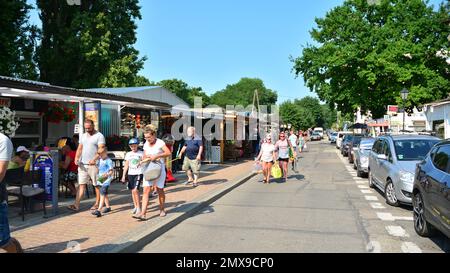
307	113
366	53
184	91
90	45
241	93
17	40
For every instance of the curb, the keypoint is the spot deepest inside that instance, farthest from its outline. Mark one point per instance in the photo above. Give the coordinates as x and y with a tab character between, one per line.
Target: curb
131	243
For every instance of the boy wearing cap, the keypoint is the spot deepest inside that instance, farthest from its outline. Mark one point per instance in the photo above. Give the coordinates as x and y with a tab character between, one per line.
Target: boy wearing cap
133	171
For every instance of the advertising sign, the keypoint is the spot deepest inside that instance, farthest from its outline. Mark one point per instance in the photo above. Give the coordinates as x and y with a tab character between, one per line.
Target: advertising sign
92	111
392	110
44	163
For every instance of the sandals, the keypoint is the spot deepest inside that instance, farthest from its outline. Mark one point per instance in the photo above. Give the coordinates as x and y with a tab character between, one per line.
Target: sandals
94	208
73	208
140	218
162	214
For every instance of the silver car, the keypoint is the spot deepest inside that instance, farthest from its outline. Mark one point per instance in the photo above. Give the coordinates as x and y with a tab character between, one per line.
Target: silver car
361	156
392	164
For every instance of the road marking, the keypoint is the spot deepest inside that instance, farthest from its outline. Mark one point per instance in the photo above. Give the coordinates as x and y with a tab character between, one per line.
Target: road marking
359	179
371	198
408	247
360	182
363	187
397	231
377	205
389	217
366	191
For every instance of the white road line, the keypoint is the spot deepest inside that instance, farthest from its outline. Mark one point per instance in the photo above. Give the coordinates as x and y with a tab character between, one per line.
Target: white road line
363	187
397	231
408	247
377	205
359	178
371	198
360	182
366	191
385	216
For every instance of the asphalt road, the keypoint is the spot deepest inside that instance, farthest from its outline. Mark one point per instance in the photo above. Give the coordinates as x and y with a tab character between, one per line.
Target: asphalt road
322	208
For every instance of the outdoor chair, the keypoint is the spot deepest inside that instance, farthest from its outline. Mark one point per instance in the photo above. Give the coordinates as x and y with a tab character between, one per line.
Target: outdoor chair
19	185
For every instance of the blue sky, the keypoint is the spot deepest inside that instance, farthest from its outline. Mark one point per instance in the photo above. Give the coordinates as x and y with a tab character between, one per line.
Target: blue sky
214	43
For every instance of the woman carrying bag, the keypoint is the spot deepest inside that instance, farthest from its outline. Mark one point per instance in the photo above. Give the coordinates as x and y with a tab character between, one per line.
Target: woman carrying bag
154	170
267	156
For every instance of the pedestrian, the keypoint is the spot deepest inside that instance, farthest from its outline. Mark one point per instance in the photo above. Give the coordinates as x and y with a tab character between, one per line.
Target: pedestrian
92	143
20	158
267	156
7	243
193	147
301	141
133	172
154	150
70	169
282	147
294	142
105	175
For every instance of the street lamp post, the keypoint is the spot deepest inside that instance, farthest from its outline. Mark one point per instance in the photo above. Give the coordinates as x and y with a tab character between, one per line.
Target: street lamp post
404	93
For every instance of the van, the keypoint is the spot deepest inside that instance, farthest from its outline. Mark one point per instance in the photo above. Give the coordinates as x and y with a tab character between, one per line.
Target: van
319	130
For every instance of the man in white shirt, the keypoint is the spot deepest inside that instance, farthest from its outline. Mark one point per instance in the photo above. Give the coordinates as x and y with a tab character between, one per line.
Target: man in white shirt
7	243
92	144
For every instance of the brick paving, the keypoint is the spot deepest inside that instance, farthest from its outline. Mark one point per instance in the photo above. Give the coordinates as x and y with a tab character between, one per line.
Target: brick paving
53	234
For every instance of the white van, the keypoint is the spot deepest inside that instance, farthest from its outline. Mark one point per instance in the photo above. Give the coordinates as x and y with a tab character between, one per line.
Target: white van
319	130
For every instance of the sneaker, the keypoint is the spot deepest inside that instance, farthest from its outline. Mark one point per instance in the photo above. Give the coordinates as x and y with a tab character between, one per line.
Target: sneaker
97	213
134	211
187	183
138	211
106	210
154	194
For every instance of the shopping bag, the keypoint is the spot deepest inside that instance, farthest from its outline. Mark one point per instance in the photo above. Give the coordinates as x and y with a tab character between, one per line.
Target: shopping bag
276	171
257	168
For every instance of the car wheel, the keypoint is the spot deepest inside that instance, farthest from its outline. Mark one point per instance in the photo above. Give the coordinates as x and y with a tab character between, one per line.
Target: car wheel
371	182
389	194
422	227
358	172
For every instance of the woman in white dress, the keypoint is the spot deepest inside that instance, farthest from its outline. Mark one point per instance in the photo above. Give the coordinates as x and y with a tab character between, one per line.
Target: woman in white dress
154	149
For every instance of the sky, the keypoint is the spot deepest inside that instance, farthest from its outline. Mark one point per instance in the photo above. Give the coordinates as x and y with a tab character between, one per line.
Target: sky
211	44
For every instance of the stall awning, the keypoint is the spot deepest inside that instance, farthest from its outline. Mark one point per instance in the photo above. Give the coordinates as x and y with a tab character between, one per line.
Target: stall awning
12	87
384	124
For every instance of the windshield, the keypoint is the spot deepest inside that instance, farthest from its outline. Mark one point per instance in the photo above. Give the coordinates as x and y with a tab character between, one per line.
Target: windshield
413	149
366	144
356	141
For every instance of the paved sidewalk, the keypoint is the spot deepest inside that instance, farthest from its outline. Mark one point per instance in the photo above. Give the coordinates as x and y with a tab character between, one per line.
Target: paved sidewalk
93	234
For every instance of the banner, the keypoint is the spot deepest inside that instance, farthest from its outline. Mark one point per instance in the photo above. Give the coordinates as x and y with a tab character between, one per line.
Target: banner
44	163
92	112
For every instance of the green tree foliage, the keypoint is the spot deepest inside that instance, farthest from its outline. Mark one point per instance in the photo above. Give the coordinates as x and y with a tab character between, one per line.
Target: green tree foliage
184	91
90	45
307	113
366	52
241	93
17	40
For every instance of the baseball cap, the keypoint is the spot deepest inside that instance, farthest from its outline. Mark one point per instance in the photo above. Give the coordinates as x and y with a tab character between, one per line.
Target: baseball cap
22	149
133	141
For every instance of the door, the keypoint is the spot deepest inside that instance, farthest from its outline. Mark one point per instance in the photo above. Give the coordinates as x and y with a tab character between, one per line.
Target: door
439	186
384	166
373	159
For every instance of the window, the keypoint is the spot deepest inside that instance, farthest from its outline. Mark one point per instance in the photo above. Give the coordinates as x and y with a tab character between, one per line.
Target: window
377	146
441	159
387	150
413	149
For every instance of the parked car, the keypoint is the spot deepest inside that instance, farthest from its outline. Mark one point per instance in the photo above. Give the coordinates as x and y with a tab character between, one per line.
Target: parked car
353	144
361	155
319	130
392	164
346	143
315	136
333	137
431	192
340	137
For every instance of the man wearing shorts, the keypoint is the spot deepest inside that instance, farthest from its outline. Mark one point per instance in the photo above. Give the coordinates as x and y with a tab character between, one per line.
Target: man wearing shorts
92	144
7	243
194	148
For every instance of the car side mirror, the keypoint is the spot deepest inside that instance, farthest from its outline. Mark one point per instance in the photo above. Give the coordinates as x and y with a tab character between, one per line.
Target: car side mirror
382	157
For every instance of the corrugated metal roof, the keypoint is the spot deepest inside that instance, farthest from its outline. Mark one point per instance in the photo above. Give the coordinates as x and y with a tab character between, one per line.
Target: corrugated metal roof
48	88
123	90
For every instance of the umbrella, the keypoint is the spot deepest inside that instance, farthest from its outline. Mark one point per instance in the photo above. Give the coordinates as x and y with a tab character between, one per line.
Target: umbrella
358	126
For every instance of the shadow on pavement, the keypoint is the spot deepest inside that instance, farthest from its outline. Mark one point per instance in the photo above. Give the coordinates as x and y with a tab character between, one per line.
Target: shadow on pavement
57	247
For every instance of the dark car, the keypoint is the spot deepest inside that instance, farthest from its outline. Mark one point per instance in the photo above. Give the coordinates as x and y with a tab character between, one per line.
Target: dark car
431	194
346	143
353	144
